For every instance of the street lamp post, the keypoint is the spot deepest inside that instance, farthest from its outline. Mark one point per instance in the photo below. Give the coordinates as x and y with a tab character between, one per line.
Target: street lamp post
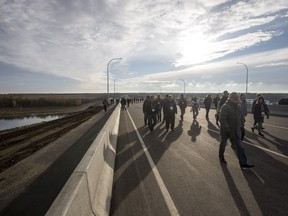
184	85
108	75
246	76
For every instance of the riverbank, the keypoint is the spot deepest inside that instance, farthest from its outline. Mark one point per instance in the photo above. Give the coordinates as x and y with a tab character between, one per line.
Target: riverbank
19	143
15	112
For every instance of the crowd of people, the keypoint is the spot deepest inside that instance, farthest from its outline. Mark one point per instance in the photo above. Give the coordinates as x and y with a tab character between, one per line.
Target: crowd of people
231	111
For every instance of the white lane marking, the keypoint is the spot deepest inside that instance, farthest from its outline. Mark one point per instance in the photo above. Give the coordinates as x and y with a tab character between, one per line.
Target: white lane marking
285	128
170	204
261	179
265	149
270	125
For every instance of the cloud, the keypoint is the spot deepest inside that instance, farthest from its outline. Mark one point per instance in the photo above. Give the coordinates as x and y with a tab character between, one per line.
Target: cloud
76	40
216	75
273	64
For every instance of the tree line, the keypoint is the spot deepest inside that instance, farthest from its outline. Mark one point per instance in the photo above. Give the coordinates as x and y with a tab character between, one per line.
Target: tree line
14	102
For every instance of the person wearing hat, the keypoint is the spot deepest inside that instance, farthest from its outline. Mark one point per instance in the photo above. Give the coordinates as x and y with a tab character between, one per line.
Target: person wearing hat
231	121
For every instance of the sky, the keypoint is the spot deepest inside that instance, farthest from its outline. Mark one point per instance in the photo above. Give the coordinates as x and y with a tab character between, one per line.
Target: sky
165	46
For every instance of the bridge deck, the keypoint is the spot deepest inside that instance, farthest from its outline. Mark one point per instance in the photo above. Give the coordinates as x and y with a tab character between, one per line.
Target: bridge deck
179	173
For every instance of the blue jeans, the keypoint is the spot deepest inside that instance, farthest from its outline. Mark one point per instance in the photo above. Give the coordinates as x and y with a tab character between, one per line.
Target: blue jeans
239	148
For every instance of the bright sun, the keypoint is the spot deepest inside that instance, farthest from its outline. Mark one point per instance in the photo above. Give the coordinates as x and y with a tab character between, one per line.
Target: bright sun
194	49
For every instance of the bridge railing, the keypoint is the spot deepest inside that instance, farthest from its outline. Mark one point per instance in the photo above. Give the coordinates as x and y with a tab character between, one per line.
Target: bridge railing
89	188
275	110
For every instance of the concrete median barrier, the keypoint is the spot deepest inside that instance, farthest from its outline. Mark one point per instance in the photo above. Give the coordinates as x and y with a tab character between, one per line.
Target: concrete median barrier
89	188
275	110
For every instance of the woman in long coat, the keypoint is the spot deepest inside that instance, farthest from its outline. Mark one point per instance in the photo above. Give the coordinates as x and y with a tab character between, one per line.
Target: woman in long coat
260	110
207	103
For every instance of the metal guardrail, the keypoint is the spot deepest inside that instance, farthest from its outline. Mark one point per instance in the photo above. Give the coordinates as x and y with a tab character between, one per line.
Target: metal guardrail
275	110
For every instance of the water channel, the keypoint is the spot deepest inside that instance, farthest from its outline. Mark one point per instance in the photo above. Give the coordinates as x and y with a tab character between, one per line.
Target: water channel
8	123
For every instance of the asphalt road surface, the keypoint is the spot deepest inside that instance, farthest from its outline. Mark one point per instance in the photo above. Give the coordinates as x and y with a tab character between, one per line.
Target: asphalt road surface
179	173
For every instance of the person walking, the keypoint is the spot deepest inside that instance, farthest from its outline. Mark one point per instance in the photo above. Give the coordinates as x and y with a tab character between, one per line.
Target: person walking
145	103
222	100
152	110
123	103
230	127
164	107
105	104
170	111
260	110
244	114
253	107
216	100
182	103
207	103
195	107
159	107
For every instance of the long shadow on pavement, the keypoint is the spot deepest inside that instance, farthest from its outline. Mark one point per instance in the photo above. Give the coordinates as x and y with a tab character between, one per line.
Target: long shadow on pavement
133	167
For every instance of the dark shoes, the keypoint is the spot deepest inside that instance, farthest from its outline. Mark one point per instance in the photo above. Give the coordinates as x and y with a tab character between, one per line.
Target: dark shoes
246	166
222	159
252	128
261	134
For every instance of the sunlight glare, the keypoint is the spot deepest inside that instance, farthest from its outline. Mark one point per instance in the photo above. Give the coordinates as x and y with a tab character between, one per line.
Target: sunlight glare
194	49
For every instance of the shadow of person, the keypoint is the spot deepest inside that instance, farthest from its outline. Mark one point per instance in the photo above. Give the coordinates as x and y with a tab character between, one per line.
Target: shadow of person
132	166
238	199
268	182
195	130
213	130
174	134
279	143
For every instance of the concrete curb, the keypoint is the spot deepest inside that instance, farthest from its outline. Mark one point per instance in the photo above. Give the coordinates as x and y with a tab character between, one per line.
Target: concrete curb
88	191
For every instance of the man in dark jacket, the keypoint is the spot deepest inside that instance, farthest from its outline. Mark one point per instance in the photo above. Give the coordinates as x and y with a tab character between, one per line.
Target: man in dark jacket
145	109
182	103
207	103
216	100
105	104
170	111
152	110
159	104
164	105
222	100
231	120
